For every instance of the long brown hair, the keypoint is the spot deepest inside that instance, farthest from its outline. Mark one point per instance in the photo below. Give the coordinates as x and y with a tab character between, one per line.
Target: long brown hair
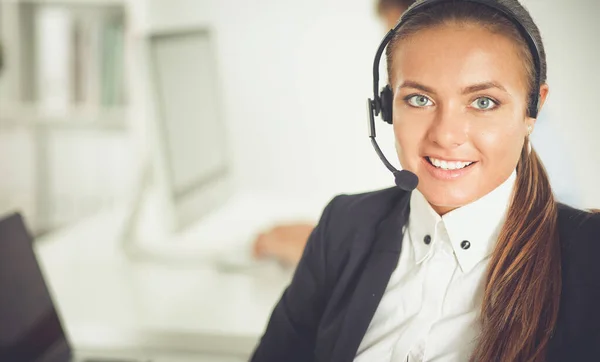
523	286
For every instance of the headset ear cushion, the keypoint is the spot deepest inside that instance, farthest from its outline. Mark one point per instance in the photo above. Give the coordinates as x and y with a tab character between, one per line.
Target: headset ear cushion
387	100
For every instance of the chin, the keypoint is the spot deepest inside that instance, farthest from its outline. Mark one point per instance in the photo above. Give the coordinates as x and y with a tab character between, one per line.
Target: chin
449	197
448	202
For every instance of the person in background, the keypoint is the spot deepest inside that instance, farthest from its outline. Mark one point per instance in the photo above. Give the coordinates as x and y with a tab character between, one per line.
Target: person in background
286	242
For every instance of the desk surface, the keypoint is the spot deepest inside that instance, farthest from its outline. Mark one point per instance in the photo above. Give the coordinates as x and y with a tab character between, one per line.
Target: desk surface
109	302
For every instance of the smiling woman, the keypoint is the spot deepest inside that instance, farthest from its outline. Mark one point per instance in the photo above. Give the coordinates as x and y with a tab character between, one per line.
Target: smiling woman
479	262
468	106
466	103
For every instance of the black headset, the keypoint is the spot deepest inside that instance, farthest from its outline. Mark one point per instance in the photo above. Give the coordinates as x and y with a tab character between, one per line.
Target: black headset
382	102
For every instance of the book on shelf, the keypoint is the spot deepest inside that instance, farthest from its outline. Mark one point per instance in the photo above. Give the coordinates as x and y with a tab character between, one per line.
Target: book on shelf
80	58
53	57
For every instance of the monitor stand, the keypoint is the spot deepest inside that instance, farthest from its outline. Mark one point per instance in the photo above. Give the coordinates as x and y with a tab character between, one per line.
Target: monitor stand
144	238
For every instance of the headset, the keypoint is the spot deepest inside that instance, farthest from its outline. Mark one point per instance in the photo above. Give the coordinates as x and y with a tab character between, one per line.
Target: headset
382	102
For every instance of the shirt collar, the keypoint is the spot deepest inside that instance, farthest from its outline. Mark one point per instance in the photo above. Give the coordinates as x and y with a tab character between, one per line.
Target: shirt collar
422	223
477	223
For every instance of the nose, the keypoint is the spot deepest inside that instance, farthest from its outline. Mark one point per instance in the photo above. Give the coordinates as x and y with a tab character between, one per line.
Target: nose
450	128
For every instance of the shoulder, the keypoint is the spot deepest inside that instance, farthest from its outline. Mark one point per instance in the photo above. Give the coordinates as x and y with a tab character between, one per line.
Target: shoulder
372	203
347	215
579	233
578	227
364	208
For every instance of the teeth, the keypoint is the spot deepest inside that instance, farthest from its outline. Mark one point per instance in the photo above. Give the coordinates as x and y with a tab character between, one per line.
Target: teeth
448	165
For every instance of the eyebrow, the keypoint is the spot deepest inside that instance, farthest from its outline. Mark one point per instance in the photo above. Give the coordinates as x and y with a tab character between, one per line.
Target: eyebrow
416	85
467	90
483	86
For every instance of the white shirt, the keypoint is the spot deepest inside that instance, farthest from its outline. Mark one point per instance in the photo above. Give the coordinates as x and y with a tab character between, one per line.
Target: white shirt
430	308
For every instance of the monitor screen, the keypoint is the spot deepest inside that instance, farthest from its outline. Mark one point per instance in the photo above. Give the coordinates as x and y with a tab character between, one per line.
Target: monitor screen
193	147
30	329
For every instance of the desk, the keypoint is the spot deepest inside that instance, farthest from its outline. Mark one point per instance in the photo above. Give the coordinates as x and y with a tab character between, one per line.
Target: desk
111	303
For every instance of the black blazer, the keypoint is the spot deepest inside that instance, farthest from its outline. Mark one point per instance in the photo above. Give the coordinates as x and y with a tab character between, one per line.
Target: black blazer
325	311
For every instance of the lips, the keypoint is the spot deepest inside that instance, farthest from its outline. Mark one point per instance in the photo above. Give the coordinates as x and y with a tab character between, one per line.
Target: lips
448	164
443	172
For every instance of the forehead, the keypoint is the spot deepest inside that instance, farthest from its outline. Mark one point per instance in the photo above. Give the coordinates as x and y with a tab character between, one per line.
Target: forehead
458	55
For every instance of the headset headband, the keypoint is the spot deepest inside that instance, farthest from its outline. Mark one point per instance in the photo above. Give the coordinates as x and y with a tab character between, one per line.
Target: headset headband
533	106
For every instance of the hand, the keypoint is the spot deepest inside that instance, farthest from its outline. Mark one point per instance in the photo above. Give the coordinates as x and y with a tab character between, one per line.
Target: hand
283	242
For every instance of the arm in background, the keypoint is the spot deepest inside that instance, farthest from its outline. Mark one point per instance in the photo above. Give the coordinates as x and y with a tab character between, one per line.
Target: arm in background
283	242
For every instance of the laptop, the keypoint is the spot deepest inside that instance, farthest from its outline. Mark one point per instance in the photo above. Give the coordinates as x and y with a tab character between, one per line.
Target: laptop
30	328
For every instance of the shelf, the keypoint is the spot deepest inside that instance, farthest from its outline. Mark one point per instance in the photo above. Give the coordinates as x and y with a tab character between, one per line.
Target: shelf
74	118
74	2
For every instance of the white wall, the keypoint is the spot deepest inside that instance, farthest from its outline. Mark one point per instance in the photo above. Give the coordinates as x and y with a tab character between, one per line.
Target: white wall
571	30
295	78
296	75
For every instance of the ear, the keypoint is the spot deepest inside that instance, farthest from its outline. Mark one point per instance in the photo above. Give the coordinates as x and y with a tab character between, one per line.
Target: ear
544	90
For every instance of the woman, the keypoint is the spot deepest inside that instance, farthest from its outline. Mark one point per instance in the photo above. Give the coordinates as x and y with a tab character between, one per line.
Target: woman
479	263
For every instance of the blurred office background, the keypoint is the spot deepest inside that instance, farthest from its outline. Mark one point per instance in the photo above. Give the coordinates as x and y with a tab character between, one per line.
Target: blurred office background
293	78
88	88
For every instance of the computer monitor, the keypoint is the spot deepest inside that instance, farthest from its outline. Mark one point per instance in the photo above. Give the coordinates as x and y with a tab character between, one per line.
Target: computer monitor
190	143
30	328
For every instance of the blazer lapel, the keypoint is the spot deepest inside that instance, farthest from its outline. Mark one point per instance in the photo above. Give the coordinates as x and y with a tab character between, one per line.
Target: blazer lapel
373	280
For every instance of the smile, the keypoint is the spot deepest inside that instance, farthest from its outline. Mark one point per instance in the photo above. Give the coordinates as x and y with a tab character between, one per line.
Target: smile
448	165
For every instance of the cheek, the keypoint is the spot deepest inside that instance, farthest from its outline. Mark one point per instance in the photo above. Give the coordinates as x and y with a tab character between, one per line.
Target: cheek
409	139
500	149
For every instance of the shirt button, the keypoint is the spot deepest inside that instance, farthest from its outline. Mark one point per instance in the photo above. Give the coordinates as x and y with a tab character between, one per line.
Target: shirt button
427	239
465	244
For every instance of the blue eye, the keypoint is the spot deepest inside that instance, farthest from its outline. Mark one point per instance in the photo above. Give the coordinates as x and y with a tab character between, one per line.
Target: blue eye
419	100
484	104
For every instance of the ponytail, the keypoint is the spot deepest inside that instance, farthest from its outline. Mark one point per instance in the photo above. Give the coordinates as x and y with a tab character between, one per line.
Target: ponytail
523	287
